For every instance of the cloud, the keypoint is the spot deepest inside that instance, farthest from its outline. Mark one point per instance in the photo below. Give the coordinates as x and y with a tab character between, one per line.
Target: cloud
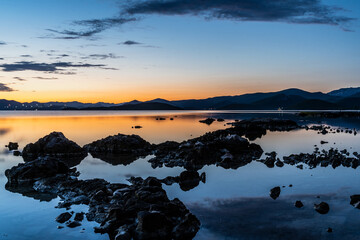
1	58
102	56
92	27
56	67
129	42
2	43
20	79
46	78
26	56
5	88
294	11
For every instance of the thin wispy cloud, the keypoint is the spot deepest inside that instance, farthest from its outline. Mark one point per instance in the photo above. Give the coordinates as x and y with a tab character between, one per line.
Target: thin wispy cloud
130	42
102	56
294	12
46	78
5	88
46	67
92	27
20	79
2	43
26	56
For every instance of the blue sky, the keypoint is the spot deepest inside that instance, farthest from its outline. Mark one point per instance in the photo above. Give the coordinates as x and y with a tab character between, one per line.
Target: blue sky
180	52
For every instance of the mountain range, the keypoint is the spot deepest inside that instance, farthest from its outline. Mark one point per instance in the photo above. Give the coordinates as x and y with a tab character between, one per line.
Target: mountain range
289	99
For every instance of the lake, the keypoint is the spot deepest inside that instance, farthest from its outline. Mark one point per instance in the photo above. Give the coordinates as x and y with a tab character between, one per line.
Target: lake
231	204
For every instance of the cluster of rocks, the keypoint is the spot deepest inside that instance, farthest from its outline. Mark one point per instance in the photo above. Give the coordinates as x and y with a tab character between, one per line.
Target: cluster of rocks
219	147
332	157
257	127
138	211
209	121
325	129
187	180
271	160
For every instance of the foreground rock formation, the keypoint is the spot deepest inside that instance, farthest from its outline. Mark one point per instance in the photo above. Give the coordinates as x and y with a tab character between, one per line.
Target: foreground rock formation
56	145
138	211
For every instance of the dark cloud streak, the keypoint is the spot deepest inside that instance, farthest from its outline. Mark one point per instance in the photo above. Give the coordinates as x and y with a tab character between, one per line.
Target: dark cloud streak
5	88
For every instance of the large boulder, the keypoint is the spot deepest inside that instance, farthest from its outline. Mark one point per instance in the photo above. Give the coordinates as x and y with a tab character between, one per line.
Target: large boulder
119	149
57	145
29	172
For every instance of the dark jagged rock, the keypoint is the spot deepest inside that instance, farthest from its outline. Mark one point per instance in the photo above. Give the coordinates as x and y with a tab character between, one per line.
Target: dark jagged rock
12	146
17	153
73	224
219	147
269	161
220	120
29	172
208	121
333	157
275	192
355	201
63	217
189	180
79	216
119	149
57	145
299	204
329	230
138	211
257	127
322	208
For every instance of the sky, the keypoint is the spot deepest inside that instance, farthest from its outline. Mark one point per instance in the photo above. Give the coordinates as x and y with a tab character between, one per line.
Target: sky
118	51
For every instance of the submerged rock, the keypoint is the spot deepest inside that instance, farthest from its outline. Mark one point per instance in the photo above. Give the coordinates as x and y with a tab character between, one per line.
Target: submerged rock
57	145
322	208
299	204
275	192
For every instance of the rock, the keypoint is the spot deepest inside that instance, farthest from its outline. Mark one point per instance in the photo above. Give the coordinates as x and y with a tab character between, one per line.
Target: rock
355	201
57	145
73	224
152	225
171	119
189	180
17	153
79	217
279	163
322	208
220	120
119	149
59	227
28	173
137	127
63	217
329	230
275	192
323	142
300	166
299	204
12	146
207	121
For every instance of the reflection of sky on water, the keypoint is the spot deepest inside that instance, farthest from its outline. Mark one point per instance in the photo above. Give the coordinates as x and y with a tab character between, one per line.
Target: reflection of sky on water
231	203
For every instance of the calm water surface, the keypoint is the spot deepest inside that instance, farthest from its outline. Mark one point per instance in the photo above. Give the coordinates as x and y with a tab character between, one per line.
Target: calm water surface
232	204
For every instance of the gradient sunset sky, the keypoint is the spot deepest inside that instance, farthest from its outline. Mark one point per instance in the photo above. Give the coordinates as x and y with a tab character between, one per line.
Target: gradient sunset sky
116	51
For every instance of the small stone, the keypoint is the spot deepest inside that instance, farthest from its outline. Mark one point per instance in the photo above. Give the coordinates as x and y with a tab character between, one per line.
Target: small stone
322	208
63	217
299	204
329	230
275	192
73	224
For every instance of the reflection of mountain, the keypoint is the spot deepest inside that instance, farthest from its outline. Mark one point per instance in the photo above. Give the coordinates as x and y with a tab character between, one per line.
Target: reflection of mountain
296	99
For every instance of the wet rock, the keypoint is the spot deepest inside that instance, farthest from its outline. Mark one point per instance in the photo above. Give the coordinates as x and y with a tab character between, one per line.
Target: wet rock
137	127
189	180
219	147
279	163
119	149
329	230
57	145
322	208
300	166
12	146
63	217
17	153
299	204
60	227
355	201
79	217
220	120
323	142
28	173
207	121
73	224
275	192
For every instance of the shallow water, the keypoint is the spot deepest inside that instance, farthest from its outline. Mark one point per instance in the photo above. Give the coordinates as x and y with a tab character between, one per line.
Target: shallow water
232	204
